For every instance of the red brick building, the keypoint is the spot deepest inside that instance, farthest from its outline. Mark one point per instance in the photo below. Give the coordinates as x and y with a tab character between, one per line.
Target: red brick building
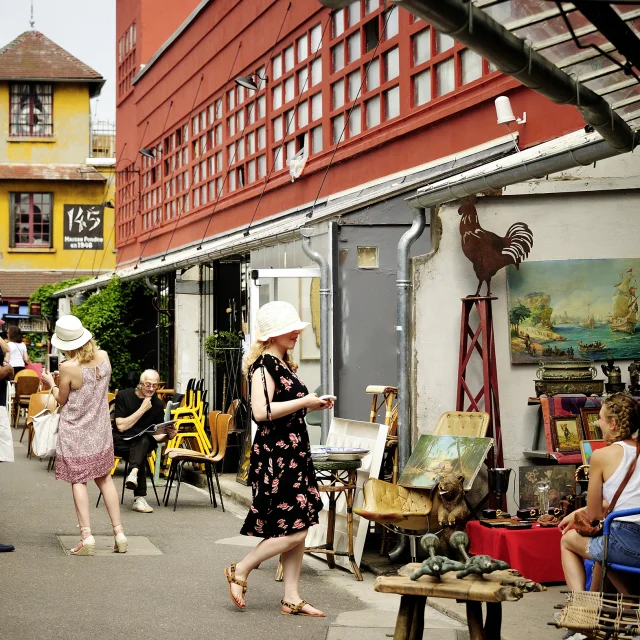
419	96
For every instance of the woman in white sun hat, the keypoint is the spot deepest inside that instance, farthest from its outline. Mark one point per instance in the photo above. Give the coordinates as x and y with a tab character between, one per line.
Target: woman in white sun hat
285	494
84	449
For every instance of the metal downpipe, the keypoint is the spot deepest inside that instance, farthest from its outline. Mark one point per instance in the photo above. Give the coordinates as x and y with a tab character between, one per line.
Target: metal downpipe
325	310
403	287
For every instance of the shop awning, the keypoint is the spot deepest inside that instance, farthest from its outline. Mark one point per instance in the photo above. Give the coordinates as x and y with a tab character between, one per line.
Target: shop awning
584	53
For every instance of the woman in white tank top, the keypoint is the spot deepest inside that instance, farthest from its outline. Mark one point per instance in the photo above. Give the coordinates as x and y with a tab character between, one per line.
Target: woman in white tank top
620	424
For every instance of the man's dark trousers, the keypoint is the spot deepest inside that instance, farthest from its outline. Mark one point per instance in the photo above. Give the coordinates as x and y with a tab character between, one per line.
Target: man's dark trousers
136	452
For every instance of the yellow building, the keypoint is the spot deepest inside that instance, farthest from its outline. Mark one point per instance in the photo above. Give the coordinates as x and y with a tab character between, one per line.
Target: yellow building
54	224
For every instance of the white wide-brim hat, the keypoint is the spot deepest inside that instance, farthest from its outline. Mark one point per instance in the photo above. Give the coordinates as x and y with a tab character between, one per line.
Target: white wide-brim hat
70	334
277	319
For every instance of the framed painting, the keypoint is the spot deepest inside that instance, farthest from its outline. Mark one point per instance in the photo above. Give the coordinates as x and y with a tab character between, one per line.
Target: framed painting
566	433
435	456
310	312
590	423
587	447
573	309
560	479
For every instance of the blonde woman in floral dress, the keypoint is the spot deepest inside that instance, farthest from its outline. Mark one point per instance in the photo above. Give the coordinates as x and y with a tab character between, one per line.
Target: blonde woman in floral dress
84	448
285	501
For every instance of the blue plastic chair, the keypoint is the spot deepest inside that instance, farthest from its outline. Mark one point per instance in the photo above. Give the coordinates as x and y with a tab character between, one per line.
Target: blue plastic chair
606	530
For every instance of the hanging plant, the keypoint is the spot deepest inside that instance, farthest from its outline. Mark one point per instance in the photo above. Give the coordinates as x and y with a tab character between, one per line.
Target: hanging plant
222	340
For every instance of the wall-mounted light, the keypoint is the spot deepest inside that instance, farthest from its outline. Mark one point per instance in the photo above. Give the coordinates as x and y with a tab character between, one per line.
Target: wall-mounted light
148	153
504	112
251	82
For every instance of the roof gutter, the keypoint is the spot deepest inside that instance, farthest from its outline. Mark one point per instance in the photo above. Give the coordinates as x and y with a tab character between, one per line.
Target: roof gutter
481	33
531	164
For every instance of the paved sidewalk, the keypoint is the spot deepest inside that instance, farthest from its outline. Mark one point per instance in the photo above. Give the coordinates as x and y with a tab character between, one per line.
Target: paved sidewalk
171	585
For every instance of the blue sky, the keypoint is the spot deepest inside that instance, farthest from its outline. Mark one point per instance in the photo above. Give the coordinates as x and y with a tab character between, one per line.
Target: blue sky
85	28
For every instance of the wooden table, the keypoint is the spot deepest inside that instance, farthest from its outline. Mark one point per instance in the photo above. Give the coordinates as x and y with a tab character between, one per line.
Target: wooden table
492	589
335	478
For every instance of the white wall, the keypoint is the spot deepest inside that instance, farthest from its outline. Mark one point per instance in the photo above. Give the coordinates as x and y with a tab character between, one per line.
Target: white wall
187	325
586	213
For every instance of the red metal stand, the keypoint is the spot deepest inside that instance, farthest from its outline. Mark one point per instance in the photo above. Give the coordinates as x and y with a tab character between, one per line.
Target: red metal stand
481	342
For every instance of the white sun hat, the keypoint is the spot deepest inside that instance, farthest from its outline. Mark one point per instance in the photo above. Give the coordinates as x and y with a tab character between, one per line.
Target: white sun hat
70	334
277	319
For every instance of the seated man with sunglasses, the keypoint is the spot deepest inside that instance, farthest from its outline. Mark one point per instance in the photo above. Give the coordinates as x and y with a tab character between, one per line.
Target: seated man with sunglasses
135	411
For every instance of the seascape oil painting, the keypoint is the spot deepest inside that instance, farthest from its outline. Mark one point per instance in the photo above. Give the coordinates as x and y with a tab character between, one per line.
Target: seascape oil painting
435	456
574	310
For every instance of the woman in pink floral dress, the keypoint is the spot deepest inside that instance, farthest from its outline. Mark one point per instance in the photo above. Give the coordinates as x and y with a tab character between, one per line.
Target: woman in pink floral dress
84	448
285	501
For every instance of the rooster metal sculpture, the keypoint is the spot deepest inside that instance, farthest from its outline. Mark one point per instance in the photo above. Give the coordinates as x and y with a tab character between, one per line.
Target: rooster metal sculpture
487	251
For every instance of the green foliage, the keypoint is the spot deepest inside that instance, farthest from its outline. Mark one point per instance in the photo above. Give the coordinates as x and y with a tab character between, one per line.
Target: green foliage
518	313
36	354
110	315
44	295
222	340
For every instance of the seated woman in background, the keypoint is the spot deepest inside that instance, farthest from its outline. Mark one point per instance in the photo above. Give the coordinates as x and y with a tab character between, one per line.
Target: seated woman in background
620	422
18	357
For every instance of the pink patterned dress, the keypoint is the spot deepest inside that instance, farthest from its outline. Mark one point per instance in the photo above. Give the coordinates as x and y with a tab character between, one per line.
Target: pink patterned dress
84	449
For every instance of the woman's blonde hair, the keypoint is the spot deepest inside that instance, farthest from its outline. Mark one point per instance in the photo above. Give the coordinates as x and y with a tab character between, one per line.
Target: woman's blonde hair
257	349
86	353
624	409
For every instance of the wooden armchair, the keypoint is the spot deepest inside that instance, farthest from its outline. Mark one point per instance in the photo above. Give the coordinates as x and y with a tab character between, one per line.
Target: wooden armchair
27	383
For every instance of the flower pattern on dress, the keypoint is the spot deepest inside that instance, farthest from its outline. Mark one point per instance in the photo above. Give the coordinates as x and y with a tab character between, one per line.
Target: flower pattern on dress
282	477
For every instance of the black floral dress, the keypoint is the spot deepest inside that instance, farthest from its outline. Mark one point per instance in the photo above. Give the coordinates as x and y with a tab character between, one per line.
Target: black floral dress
283	480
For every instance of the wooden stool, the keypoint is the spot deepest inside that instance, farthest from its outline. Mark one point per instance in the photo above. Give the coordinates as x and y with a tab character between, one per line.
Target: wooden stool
493	589
335	478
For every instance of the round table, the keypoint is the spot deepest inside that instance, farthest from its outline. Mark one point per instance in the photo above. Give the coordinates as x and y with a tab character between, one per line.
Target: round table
335	477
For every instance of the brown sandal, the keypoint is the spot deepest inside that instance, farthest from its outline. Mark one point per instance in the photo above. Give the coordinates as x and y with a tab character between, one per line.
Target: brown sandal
230	574
296	609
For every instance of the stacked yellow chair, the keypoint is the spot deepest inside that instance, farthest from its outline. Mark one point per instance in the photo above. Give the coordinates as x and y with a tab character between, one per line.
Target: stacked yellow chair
191	423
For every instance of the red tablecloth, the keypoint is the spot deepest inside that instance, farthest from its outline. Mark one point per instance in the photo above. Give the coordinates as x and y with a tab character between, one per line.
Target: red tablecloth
535	552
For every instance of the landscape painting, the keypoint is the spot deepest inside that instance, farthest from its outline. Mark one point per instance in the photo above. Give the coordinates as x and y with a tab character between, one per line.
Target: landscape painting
574	310
435	456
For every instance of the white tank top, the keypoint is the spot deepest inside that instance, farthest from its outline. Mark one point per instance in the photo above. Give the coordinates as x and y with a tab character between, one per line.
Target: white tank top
630	497
16	354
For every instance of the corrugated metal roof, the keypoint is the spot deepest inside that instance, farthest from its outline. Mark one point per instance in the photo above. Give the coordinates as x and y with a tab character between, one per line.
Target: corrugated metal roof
32	56
596	45
50	172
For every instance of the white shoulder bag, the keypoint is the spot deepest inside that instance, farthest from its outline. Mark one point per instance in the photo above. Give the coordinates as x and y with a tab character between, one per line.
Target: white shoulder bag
45	431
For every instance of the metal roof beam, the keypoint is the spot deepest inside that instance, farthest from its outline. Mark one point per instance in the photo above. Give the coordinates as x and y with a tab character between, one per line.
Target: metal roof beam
613	27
